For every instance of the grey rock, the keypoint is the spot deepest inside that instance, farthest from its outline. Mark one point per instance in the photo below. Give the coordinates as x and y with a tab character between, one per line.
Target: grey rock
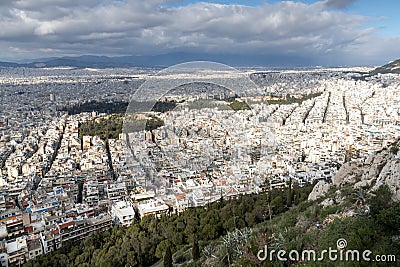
319	190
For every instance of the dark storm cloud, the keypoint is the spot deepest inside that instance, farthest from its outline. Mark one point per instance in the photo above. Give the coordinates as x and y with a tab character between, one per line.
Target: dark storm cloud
340	4
68	27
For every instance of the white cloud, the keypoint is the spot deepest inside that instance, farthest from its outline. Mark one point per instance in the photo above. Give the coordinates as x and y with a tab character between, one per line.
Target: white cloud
47	27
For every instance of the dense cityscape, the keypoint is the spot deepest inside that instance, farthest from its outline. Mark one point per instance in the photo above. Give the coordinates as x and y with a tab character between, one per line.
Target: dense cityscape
59	185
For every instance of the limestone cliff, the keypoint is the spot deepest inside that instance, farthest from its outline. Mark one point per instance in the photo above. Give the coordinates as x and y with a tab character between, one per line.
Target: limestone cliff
380	168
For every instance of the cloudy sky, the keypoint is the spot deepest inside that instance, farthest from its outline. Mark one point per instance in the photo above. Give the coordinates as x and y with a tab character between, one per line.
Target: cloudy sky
339	32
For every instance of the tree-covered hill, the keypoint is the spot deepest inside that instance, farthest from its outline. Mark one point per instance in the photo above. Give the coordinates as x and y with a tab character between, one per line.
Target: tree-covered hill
311	226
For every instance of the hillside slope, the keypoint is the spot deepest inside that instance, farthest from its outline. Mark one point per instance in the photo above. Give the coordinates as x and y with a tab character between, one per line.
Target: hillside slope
360	209
391	67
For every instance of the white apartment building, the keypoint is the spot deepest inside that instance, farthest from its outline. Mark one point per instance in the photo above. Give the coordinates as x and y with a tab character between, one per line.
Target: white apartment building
122	213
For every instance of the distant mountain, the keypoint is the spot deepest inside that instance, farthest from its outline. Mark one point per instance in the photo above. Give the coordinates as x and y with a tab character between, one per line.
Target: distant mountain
80	62
164	60
9	64
391	67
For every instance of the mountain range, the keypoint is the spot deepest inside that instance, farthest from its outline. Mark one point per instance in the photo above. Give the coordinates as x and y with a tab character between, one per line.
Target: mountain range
161	61
166	60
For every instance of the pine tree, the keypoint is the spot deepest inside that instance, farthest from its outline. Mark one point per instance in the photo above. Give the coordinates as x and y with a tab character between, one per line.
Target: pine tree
167	261
195	250
289	194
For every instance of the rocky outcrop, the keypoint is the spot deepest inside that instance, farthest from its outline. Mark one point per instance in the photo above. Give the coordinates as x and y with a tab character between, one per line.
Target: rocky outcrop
319	190
347	174
390	176
380	168
374	164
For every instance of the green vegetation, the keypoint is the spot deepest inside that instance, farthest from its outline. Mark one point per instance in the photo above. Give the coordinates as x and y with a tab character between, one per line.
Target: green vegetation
164	106
307	227
195	250
394	149
108	127
101	107
238	105
291	99
148	241
153	123
116	107
168	262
